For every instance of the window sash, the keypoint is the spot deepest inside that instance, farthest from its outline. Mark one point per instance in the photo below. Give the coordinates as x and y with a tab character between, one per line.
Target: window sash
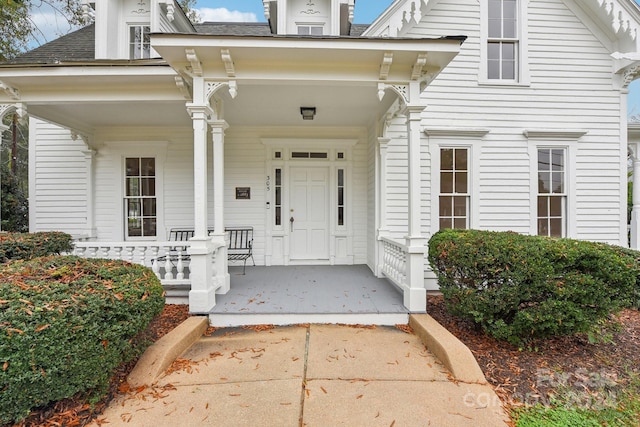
139	42
140	201
454	198
503	40
551	201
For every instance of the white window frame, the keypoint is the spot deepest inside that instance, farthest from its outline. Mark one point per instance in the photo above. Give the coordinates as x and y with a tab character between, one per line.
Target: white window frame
468	138
130	26
555	139
561	195
311	26
139	197
522	47
454	193
118	151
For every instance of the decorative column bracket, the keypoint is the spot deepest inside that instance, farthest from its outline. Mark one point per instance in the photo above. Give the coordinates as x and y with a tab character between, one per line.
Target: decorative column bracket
184	87
228	62
196	65
11	92
213	87
402	90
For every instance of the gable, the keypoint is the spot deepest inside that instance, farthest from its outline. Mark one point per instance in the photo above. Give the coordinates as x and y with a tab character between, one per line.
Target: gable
616	23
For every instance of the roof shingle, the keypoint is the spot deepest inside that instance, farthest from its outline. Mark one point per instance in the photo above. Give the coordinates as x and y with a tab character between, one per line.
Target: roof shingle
80	44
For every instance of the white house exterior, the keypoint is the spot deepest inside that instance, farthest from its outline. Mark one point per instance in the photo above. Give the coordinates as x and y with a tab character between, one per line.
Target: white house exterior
487	114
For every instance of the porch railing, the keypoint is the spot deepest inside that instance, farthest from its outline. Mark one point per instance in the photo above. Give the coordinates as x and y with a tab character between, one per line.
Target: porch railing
394	261
169	262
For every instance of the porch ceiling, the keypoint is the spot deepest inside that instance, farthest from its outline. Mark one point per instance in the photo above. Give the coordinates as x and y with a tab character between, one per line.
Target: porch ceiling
274	76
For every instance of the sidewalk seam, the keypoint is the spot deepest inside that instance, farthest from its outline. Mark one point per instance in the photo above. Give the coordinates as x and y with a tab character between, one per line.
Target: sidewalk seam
304	376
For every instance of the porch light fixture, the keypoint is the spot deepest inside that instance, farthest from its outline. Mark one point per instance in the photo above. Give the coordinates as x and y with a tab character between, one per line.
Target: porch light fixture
308	113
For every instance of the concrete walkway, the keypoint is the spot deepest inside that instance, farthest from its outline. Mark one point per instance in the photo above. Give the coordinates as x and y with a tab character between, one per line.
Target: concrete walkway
318	375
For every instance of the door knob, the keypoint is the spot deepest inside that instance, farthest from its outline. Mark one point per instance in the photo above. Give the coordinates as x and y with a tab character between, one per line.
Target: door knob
291	220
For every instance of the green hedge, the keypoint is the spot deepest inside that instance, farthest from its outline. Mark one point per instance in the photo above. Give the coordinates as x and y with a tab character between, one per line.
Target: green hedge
518	287
67	322
32	245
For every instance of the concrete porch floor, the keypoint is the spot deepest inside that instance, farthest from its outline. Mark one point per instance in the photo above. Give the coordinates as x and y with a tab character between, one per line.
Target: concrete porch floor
284	295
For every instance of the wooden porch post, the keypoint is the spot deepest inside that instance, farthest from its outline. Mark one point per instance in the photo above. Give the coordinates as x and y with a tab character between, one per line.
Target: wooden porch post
221	263
381	158
202	296
635	210
415	297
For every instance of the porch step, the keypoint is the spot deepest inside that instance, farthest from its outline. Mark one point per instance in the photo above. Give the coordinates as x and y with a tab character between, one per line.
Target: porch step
223	320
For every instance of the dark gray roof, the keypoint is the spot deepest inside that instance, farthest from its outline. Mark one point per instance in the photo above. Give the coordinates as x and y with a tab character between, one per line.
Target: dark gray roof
234	28
253	29
76	46
80	45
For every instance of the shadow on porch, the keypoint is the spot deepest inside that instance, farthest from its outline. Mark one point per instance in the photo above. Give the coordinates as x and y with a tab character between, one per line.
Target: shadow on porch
280	295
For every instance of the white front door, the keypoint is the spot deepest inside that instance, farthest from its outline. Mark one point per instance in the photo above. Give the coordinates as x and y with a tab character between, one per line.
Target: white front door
309	213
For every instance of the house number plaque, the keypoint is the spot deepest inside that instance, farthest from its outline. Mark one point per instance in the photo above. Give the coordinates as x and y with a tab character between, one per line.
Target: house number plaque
243	193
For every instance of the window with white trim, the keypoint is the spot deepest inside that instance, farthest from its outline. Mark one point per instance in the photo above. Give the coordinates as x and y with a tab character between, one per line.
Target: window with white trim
140	202
502	40
552	195
454	188
278	198
341	197
310	30
139	42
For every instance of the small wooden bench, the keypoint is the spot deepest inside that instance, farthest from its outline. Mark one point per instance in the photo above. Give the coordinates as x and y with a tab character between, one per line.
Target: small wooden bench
240	244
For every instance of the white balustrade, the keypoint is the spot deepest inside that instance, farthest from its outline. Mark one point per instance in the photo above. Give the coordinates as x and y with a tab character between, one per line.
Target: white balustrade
170	263
394	261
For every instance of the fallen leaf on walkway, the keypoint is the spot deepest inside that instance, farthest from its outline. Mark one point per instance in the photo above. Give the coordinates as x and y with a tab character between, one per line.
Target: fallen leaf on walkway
285	404
259	328
393	423
234	394
359	396
215	354
406	329
462	415
323	390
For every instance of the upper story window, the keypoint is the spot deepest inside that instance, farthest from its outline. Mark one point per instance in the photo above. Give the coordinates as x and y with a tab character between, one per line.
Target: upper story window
310	30
139	42
502	40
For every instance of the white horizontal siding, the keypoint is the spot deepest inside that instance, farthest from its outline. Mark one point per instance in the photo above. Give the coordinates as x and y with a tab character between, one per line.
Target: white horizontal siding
571	87
58	199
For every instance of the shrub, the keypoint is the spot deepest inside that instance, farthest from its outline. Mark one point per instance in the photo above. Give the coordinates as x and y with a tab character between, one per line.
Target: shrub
32	245
67	323
518	287
634	258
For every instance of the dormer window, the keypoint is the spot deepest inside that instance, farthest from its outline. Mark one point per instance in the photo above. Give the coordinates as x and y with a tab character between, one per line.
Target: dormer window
310	30
139	42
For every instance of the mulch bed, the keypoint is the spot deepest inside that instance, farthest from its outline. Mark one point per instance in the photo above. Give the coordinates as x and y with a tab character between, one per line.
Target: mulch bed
534	374
519	376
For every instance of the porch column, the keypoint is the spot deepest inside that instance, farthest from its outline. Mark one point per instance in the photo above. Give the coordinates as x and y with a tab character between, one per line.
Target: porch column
415	297
383	231
635	209
89	159
221	263
202	295
3	128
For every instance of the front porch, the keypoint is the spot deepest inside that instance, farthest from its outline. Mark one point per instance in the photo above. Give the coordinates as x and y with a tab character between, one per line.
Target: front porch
283	295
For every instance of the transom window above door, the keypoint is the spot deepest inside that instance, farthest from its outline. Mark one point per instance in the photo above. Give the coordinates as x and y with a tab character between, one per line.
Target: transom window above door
309	155
140	197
